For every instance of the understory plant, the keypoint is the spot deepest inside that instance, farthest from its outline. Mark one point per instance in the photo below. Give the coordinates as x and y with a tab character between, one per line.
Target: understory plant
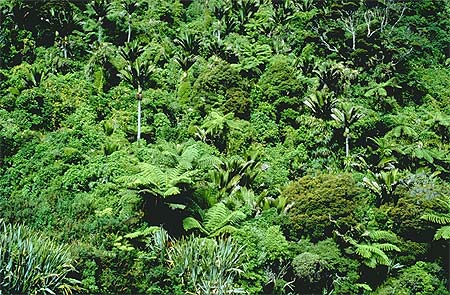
207	266
32	264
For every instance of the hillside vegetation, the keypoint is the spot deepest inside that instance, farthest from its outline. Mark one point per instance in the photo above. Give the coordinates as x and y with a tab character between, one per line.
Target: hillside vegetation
224	147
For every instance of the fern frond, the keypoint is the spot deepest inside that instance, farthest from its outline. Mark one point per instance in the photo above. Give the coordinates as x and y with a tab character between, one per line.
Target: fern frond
189	155
370	252
227	229
382	258
215	216
363	251
382	235
149	175
443	233
438	218
208	161
191	223
171	191
387	247
220	216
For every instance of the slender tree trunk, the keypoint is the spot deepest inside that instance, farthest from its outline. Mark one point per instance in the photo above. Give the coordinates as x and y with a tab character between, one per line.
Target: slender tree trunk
99	36
129	28
354	40
139	118
347	147
65	43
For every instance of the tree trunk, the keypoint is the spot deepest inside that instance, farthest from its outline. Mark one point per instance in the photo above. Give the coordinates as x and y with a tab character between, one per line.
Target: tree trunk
129	29
99	36
139	120
354	40
347	147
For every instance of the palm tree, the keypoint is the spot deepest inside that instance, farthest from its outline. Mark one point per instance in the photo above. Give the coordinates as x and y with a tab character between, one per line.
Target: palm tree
100	9
346	118
35	77
129	6
136	73
65	20
234	174
383	184
321	103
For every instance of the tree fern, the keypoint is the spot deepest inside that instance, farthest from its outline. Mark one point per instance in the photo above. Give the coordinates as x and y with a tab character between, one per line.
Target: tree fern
218	219
440	218
219	216
153	180
373	254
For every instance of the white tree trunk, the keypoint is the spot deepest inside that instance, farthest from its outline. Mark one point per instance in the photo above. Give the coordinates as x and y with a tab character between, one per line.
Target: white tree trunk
139	120
129	29
347	147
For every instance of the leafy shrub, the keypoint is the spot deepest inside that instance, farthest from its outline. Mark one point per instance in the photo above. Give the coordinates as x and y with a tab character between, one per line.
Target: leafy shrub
323	266
265	250
309	267
418	192
280	84
31	264
213	86
321	203
421	278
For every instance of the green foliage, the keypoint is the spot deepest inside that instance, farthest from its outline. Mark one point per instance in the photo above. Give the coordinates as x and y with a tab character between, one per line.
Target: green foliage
206	265
420	278
33	264
442	219
422	196
272	90
383	184
373	247
323	266
218	220
318	201
210	88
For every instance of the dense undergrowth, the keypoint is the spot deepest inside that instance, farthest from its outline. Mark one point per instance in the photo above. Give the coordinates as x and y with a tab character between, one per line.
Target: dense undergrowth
285	147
